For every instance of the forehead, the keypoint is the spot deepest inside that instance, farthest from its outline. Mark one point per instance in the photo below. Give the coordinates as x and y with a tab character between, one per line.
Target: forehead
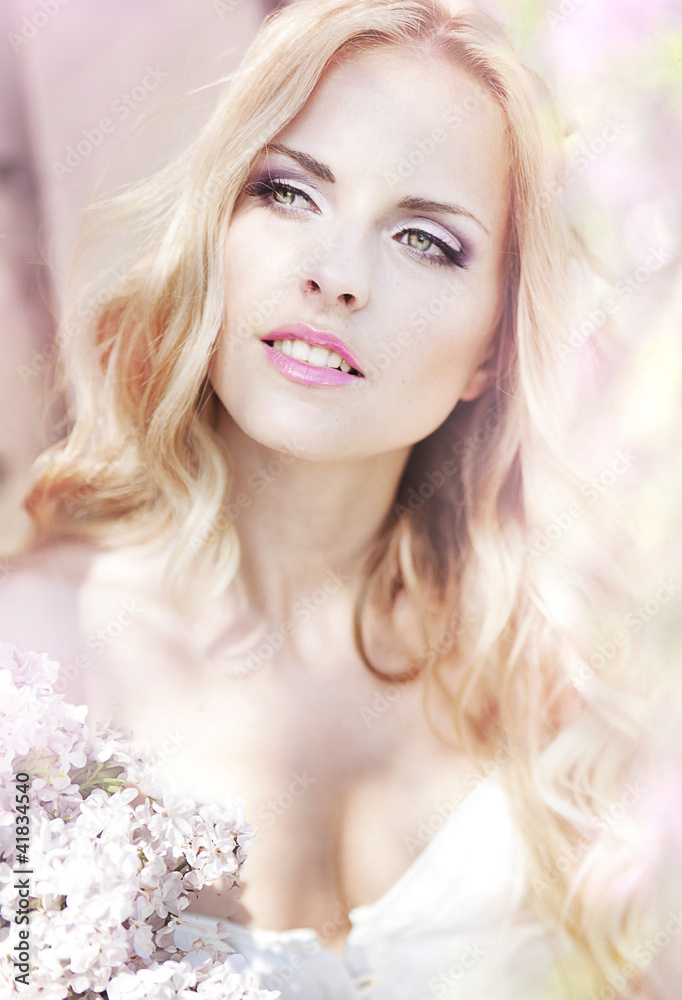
408	121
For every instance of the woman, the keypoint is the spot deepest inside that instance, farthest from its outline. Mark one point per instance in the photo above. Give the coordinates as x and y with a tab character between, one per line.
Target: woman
297	533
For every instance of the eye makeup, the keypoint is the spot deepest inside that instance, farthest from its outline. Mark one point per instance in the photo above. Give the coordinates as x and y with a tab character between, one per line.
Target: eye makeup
272	189
280	191
457	256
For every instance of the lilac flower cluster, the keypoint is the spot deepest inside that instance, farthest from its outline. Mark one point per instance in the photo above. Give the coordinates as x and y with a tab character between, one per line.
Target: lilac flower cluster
111	868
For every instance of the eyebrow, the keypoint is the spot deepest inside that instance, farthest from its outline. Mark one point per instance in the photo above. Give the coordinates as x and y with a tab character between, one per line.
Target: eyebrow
426	205
306	161
323	172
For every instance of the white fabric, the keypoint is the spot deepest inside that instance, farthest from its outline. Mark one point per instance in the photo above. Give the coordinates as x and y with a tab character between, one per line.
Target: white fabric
455	926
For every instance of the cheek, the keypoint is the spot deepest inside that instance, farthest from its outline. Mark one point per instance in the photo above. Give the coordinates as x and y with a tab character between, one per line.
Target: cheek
258	234
242	272
435	375
440	339
254	259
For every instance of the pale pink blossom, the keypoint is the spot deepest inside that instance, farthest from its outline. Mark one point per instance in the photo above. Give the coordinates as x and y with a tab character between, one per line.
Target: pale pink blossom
110	879
224	984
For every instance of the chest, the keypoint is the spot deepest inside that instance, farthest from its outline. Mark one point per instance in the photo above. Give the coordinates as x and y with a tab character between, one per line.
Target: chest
336	770
328	738
339	770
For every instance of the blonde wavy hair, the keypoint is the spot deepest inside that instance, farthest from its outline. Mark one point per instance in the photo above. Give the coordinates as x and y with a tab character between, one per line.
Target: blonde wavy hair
511	611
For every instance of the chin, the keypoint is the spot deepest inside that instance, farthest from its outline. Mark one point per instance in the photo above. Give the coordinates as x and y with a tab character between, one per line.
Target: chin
297	430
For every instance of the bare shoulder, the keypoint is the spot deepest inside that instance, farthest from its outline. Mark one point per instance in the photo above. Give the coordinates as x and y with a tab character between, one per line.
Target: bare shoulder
39	593
78	603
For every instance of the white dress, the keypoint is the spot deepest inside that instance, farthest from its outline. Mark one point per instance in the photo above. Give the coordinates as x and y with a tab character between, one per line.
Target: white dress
456	925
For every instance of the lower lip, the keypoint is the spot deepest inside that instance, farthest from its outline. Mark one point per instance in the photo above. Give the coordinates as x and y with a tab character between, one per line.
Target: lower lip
305	374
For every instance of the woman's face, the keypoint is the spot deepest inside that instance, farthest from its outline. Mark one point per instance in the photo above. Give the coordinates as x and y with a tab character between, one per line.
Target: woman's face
364	262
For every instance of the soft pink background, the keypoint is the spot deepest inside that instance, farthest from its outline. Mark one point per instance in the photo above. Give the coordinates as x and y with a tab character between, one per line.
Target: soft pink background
67	64
63	65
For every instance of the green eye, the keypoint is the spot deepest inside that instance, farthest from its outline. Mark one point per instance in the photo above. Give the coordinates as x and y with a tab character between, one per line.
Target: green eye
425	244
419	241
278	194
285	196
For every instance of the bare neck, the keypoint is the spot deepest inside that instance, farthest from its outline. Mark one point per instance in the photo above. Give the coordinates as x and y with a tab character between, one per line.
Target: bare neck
299	521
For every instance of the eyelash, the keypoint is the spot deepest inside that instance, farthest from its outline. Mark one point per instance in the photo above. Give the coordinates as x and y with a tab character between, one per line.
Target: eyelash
265	189
453	258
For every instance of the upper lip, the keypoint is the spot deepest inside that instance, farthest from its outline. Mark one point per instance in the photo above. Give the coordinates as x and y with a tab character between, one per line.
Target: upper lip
319	338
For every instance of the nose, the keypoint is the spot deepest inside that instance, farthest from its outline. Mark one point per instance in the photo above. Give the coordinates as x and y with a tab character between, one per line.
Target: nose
337	272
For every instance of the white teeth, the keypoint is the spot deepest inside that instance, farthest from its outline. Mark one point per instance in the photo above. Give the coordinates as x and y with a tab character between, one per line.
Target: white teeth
320	357
300	350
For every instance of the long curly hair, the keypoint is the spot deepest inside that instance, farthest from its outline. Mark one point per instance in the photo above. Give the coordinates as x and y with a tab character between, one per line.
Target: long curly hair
490	538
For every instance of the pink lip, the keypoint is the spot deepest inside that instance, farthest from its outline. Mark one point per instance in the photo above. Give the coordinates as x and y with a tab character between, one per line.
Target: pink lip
300	331
305	374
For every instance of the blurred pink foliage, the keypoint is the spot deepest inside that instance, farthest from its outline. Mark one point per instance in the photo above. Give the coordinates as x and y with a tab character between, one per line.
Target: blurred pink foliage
584	37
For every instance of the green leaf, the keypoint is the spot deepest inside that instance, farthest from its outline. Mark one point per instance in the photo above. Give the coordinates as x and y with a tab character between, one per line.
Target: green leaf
97	775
